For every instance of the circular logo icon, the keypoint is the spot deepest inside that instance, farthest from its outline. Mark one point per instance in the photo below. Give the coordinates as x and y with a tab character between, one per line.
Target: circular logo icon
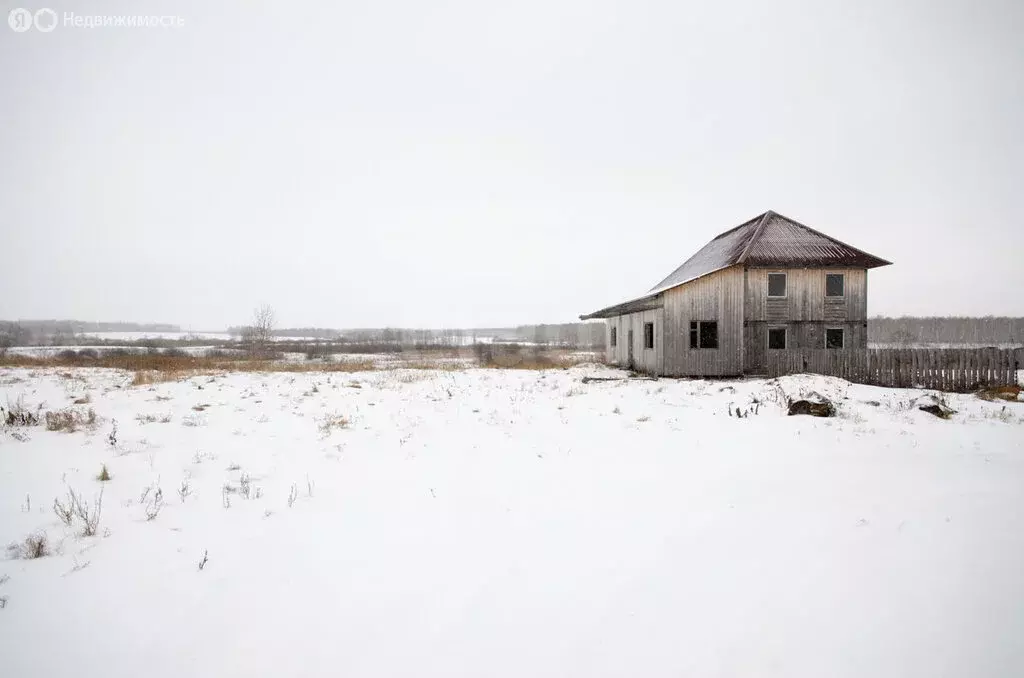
19	19
45	20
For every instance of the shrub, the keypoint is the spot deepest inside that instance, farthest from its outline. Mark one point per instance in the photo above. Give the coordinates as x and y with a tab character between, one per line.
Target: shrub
69	420
34	546
150	418
193	420
245	485
155	504
185	490
18	414
76	507
104	474
329	422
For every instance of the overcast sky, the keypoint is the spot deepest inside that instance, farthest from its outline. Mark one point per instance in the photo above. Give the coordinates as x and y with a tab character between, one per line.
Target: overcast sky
480	163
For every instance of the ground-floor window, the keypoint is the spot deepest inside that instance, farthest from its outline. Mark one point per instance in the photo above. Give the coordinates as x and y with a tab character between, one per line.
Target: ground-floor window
704	334
777	338
614	337
834	337
648	335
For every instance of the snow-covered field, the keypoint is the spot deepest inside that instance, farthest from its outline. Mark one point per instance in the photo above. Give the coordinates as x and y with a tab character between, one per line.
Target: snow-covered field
51	351
173	336
461	340
510	523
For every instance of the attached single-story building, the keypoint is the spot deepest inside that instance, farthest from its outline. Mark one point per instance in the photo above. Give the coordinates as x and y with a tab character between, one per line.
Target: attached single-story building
770	284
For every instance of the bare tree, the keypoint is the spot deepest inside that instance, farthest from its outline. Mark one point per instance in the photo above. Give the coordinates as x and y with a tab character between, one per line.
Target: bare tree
259	333
13	334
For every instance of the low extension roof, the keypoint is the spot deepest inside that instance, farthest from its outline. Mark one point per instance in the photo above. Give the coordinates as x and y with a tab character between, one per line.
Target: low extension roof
768	240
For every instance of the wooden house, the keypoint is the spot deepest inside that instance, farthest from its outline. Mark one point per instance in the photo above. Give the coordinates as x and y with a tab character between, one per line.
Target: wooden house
770	284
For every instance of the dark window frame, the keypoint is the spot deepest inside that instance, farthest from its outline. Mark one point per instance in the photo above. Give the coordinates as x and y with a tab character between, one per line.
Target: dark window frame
842	285
785	338
613	340
649	336
785	285
701	330
842	338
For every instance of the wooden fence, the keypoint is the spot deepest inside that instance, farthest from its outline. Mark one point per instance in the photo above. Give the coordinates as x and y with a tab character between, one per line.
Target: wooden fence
946	369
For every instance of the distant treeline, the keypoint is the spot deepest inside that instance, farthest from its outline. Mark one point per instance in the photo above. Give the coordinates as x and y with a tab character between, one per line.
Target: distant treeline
584	335
60	332
906	330
296	332
71	327
72	332
952	330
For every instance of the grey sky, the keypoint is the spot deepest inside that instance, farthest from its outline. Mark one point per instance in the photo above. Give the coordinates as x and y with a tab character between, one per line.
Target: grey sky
482	163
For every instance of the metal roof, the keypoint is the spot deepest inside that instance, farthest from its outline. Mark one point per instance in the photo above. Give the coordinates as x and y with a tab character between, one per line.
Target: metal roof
779	241
644	303
767	240
725	250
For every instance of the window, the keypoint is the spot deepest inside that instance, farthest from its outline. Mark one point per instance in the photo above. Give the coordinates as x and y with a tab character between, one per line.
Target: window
614	337
648	335
777	285
704	334
777	338
834	337
834	284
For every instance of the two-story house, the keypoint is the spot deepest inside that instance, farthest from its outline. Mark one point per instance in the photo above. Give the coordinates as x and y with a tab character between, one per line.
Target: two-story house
770	284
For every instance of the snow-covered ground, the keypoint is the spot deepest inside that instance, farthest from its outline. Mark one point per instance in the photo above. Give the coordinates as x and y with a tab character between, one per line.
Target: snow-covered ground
511	523
51	351
174	336
462	340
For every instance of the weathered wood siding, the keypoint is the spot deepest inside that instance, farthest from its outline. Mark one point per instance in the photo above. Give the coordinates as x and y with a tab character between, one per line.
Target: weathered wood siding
805	312
644	359
805	296
717	297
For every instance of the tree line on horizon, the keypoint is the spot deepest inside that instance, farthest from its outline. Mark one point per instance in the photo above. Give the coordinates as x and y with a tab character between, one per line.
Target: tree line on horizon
899	331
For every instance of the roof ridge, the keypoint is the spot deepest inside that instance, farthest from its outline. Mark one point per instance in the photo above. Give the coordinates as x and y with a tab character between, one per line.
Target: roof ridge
826	236
753	238
736	228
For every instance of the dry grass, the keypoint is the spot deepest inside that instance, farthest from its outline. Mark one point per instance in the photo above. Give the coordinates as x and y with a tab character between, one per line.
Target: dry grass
552	360
329	422
153	367
34	546
1010	393
164	418
147	377
156	368
19	414
425	364
70	420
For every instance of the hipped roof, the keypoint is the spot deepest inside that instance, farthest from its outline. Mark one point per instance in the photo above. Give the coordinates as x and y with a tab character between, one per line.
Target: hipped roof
768	240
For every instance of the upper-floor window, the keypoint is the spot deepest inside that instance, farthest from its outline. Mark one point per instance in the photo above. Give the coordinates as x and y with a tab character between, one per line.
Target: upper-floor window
704	334
835	285
614	336
776	285
648	335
